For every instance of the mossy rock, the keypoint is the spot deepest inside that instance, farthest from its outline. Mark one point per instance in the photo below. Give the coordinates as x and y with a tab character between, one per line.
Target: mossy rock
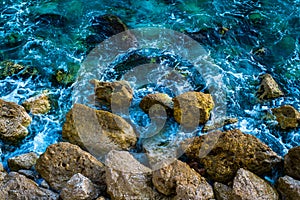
66	77
8	68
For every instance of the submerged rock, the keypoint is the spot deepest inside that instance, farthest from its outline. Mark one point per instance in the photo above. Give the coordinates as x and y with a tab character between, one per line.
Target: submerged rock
13	121
159	98
248	186
192	108
126	178
17	186
287	116
24	161
180	180
289	188
8	69
223	153
80	188
38	104
292	163
62	160
115	95
97	131
268	88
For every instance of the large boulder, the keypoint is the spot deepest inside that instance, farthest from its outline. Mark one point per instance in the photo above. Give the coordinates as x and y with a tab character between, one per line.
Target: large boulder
180	180
292	163
115	95
97	131
248	186
223	153
24	161
38	104
159	98
287	116
62	160
13	121
192	108
126	178
268	89
288	187
80	188
17	186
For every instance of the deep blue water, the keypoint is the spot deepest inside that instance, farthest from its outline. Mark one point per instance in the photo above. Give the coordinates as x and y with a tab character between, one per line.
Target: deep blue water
59	44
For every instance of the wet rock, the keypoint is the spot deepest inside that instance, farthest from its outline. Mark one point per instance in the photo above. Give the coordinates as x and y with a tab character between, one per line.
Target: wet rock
1	168
222	192
29	174
38	104
126	178
66	77
292	163
159	98
223	153
289	188
8	69
44	184
180	180
192	108
115	95
97	131
62	160
13	121
287	116
268	88
80	188
248	186
219	123
16	186
24	161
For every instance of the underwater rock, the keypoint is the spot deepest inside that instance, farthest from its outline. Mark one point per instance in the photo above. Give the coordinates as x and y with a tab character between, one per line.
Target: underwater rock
53	19
248	186
38	104
284	48
66	77
8	68
219	123
62	160
24	161
126	178
223	153
222	192
180	180
115	95
17	186
192	108
80	188
97	131
159	98
288	187
287	116
268	88
292	163
13	121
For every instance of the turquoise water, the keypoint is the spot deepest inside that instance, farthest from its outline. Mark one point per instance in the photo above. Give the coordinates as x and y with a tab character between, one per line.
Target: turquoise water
51	36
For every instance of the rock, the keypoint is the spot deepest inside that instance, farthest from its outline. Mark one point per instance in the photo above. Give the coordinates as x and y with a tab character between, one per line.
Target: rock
287	116
62	160
1	168
223	153
100	198
44	184
16	186
222	192
126	178
24	161
289	188
192	108
8	69
248	186
66	77
80	188
159	98
13	121
53	19
180	180
29	174
115	95
268	88
219	123
38	104
292	163
97	131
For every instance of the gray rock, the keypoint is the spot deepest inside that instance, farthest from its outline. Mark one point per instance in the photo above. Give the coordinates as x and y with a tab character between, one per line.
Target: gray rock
248	186
289	188
80	188
24	161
